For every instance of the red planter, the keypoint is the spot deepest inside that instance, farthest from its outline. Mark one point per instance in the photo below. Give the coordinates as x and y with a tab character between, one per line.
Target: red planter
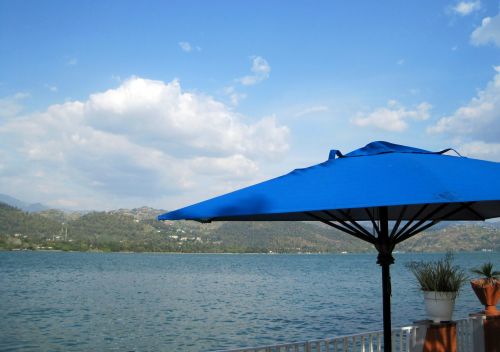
488	294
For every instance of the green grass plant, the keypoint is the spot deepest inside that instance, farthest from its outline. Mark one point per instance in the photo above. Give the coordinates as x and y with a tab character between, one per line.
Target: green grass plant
489	276
439	276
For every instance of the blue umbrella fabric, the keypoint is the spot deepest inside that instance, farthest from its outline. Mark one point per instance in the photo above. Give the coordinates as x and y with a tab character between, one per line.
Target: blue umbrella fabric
384	184
380	174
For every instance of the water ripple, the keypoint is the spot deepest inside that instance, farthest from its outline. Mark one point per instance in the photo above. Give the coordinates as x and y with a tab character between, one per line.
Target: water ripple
150	302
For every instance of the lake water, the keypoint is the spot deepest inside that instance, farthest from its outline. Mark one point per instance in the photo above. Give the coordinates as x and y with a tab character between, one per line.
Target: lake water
55	301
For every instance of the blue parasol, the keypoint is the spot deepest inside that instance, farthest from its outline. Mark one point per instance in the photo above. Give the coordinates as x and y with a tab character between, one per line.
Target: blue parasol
399	190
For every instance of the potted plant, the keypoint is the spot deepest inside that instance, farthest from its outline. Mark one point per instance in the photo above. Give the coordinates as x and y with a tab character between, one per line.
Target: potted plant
487	288
441	282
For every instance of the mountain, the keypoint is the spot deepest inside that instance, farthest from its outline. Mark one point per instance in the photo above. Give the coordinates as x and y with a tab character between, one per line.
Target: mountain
138	230
495	224
19	229
60	215
457	237
142	213
30	208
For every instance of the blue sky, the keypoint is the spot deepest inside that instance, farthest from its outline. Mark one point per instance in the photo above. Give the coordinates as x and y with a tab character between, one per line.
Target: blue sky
107	104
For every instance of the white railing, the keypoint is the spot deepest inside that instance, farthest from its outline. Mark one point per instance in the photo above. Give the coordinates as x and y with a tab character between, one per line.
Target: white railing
465	334
405	339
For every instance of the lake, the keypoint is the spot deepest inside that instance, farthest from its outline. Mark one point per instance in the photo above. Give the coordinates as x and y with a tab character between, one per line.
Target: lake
57	301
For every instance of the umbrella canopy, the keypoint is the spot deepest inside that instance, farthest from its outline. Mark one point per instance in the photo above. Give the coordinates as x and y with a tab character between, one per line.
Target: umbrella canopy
380	174
382	183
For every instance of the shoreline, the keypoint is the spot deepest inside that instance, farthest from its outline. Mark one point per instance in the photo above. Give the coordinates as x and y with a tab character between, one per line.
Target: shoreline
238	253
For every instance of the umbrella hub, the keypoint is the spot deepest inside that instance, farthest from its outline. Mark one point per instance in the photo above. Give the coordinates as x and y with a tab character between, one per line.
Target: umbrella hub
385	258
384	248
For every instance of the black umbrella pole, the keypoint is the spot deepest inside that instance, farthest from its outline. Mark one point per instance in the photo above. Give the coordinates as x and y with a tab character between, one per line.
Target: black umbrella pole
386	302
385	259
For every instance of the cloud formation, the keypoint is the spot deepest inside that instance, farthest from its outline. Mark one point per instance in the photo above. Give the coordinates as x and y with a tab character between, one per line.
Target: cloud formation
465	8
260	72
311	110
479	119
187	47
476	124
11	105
234	96
50	87
488	32
394	117
72	61
143	139
481	150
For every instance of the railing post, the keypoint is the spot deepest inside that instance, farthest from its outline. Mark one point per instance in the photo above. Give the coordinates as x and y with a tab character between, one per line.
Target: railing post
477	333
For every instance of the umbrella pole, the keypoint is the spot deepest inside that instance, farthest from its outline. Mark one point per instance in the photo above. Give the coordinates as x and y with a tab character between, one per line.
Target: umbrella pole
386	301
385	259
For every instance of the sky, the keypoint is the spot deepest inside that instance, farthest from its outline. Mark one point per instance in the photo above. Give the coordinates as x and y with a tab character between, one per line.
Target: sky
120	104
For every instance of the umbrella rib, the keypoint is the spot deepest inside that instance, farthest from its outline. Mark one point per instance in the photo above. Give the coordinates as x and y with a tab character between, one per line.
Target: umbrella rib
374	224
361	233
355	223
408	224
340	228
427	218
395	228
469	208
354	231
329	223
407	235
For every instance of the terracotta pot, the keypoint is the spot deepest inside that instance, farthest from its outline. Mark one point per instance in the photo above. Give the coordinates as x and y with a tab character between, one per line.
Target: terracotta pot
488	295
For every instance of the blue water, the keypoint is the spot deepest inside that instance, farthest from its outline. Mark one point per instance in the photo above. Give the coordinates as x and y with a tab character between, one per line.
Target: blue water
54	301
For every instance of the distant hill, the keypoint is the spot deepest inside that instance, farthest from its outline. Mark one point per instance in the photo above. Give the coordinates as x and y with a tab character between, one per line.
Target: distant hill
138	230
19	229
458	237
495	224
142	213
31	208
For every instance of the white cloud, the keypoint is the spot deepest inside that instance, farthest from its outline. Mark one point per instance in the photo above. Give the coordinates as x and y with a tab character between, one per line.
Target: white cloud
260	69
50	87
393	118
72	61
233	95
11	106
153	112
237	165
465	8
479	119
312	110
187	47
145	139
488	32
481	150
